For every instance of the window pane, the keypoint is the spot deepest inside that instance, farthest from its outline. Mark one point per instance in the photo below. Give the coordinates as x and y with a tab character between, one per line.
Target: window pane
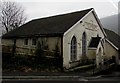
73	48
84	44
26	42
33	41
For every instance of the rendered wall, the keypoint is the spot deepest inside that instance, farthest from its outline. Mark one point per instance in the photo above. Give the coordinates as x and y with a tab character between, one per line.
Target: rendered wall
30	49
77	31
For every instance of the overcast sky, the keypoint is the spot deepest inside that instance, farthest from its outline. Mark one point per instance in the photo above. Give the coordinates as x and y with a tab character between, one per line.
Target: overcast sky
44	8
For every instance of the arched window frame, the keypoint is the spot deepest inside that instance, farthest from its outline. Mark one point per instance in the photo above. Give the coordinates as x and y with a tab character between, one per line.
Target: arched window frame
73	49
84	43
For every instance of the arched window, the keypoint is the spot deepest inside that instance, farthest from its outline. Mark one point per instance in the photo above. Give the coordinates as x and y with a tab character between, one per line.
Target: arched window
84	44
73	49
99	56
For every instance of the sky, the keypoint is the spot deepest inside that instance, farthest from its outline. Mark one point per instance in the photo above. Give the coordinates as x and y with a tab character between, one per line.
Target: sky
43	8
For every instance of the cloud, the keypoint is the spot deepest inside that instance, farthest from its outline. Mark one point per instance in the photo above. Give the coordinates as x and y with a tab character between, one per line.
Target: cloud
61	0
44	8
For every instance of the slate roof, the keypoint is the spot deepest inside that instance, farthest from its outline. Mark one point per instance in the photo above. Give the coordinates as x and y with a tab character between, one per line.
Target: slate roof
94	42
113	37
51	26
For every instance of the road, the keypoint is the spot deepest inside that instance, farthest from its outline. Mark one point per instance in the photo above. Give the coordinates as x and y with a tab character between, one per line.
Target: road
19	77
69	79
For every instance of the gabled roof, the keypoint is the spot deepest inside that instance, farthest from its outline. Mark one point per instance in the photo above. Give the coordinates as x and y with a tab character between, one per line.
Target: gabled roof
55	25
94	42
113	37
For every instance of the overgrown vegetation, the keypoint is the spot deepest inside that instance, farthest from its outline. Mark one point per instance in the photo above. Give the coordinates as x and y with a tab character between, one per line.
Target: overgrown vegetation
16	62
43	60
47	59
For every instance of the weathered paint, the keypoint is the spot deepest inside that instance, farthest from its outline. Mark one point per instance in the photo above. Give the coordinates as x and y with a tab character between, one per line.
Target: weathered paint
30	49
77	31
111	51
7	41
92	53
100	55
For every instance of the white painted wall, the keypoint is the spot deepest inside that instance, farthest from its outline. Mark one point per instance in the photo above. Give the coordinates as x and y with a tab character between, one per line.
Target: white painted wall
111	51
77	31
100	56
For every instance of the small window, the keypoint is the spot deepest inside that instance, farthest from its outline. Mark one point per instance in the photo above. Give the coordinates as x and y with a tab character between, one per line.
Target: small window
34	41
26	42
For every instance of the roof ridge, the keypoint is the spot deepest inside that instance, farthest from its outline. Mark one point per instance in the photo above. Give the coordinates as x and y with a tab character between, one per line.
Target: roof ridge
112	31
62	14
48	25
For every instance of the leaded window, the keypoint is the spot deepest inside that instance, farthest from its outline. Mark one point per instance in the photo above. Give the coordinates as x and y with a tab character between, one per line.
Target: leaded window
84	44
73	49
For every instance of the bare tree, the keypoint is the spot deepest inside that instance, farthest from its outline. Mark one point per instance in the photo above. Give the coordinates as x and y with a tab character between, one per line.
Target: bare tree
12	15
